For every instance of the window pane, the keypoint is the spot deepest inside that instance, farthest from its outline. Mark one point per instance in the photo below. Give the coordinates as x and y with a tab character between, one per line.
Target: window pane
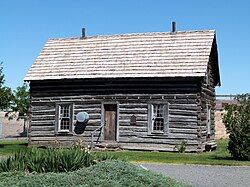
158	110
158	118
64	111
64	119
158	124
65	124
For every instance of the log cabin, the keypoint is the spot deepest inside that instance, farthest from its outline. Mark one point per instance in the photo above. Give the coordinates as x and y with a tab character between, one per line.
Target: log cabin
142	91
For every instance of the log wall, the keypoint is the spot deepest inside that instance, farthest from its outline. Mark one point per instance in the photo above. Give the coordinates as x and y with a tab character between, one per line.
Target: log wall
133	96
206	97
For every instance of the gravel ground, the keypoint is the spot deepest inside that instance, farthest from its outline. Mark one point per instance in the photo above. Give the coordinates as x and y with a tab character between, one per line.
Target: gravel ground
201	176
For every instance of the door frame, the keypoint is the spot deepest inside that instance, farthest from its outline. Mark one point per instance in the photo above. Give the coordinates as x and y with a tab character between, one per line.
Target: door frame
103	119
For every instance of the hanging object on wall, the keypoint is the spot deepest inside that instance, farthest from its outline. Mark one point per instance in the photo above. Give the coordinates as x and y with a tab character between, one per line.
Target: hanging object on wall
133	120
82	117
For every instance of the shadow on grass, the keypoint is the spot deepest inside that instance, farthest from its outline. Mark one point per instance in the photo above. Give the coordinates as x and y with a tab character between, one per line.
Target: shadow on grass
13	146
232	158
20	144
222	158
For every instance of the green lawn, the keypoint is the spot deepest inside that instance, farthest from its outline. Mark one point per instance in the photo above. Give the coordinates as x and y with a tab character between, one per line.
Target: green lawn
220	156
8	147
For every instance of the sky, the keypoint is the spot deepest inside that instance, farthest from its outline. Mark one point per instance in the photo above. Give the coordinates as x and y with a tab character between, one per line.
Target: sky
26	25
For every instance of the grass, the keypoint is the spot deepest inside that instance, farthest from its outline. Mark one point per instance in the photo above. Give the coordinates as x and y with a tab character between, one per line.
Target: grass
9	147
220	156
115	173
105	174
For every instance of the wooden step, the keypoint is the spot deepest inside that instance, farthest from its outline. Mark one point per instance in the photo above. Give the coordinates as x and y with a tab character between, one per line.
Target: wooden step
210	146
107	146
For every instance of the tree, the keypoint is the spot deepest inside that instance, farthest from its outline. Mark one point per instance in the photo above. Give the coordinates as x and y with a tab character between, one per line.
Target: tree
2	80
21	104
21	101
237	122
6	95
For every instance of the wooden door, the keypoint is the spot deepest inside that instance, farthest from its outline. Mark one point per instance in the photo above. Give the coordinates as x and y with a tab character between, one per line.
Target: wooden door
110	123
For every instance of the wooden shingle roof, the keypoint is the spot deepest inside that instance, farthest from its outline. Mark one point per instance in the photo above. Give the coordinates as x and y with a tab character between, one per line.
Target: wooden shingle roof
184	54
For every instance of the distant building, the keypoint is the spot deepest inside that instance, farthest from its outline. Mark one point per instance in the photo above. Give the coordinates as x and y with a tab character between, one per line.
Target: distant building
220	104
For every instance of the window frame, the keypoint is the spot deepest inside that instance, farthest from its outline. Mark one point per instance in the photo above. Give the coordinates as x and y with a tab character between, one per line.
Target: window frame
208	76
71	118
208	120
165	118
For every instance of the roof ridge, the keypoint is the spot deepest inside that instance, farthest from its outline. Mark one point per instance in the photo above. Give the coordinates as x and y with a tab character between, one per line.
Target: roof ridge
132	34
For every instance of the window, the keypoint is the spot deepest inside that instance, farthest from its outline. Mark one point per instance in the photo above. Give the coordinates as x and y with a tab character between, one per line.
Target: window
64	115
158	118
208	120
208	76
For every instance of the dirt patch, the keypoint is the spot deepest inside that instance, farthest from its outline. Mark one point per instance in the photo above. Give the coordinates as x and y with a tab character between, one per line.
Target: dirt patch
220	129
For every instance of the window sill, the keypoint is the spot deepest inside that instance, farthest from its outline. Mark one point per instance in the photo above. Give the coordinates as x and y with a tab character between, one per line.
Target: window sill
157	132
64	133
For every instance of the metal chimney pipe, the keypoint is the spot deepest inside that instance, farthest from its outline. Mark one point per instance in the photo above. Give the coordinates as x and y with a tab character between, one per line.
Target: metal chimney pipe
83	32
173	27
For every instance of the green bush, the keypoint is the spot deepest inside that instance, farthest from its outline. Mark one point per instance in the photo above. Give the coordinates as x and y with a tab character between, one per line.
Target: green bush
104	174
181	148
237	122
47	160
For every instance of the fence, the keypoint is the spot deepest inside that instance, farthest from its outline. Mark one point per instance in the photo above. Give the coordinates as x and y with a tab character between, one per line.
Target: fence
226	97
13	126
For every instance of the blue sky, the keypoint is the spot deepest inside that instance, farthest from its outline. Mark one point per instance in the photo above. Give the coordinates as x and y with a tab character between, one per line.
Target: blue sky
25	26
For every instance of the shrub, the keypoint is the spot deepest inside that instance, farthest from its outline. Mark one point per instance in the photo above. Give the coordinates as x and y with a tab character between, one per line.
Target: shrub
181	148
48	160
80	143
237	122
105	174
